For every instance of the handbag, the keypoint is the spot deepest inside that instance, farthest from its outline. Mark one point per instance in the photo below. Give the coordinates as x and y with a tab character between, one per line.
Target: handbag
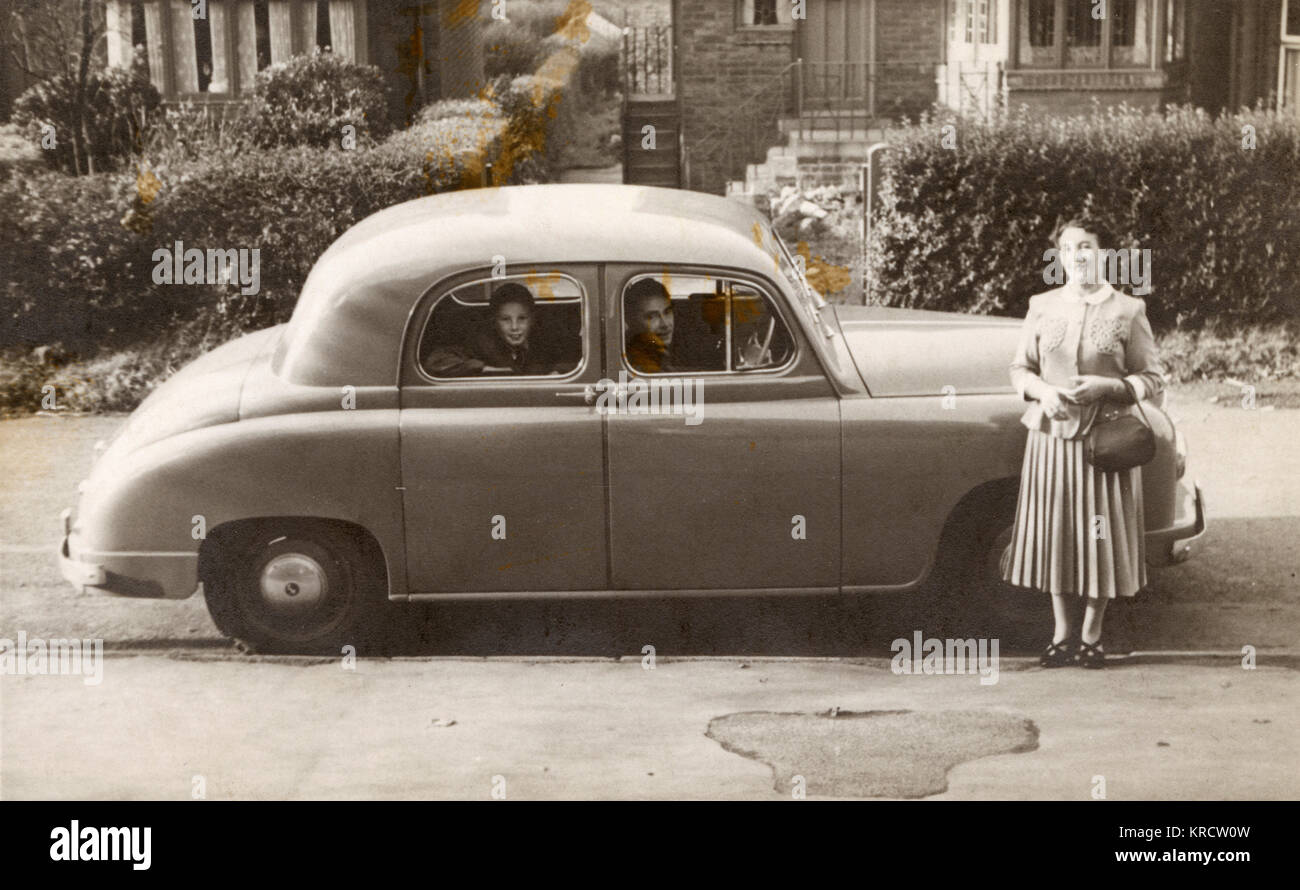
1122	443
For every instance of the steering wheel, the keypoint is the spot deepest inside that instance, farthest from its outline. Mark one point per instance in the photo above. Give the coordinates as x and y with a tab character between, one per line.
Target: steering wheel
753	354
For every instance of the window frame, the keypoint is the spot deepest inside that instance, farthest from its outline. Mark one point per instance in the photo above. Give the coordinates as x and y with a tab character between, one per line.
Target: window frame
742	25
1156	16
965	18
426	305
1288	44
764	288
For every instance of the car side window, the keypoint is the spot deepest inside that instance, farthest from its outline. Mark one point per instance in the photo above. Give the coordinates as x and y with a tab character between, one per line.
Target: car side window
513	326
693	324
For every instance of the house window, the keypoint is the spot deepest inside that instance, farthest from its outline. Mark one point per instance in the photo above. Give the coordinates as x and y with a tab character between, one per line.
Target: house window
203	56
323	24
262	28
1175	30
1289	63
139	34
1130	35
765	13
1038	33
1083	24
972	21
1078	33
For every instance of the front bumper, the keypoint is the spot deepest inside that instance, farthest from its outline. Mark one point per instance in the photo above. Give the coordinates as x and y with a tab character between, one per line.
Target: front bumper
151	575
1167	546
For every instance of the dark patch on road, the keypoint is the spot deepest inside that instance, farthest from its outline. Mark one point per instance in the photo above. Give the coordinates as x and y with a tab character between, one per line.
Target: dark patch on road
896	754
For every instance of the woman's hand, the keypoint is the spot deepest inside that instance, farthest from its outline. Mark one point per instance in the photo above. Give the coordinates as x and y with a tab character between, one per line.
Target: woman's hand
1052	403
1088	388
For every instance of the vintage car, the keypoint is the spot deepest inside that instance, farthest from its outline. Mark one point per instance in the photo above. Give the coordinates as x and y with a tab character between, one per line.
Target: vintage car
308	476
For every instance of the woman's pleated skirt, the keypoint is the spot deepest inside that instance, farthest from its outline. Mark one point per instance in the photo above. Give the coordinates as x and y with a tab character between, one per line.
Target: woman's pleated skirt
1078	530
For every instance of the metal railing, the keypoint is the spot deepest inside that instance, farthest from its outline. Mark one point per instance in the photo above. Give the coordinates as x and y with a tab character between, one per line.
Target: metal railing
843	98
646	60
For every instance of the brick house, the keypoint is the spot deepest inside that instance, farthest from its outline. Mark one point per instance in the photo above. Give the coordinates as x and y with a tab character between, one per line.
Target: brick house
426	50
760	92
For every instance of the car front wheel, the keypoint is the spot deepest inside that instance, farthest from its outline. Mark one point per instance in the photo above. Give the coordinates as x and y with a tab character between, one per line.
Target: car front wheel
972	598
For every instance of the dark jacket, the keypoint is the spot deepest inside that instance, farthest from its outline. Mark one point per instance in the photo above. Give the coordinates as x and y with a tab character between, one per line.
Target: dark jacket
687	355
487	350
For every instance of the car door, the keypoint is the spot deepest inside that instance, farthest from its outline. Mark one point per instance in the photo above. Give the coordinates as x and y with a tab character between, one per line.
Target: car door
503	472
746	495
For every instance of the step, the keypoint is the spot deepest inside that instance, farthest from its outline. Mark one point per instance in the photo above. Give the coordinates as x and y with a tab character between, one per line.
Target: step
668	182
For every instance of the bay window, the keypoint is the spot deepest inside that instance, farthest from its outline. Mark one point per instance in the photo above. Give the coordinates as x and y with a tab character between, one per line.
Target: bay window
1090	33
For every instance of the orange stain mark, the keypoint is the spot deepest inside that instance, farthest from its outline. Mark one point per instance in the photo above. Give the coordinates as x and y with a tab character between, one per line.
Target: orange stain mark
543	284
147	185
827	278
462	13
572	23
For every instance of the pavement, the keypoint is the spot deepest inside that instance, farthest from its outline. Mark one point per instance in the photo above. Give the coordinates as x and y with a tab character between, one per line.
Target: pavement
748	698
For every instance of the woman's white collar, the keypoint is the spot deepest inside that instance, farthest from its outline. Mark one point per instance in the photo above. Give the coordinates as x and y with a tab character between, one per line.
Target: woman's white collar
1100	295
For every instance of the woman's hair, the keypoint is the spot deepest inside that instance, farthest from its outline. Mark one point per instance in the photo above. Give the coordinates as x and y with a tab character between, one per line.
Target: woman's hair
511	292
1089	222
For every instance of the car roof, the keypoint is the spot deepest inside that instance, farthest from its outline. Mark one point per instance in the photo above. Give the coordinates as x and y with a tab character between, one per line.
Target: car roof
349	320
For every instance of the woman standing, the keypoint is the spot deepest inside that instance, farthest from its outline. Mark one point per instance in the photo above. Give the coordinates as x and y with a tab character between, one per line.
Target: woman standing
1079	531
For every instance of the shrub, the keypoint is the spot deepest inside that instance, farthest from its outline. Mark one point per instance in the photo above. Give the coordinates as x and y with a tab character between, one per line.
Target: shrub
309	99
81	268
117	106
1224	351
115	379
510	49
17	155
966	229
530	105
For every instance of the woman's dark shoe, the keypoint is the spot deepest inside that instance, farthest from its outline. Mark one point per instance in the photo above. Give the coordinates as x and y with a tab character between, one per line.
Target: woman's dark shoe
1091	655
1057	655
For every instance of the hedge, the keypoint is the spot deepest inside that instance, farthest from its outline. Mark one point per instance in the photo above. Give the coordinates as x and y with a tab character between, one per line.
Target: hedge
79	266
966	214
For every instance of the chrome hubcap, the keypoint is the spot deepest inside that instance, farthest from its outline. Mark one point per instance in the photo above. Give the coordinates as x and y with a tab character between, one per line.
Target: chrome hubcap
292	580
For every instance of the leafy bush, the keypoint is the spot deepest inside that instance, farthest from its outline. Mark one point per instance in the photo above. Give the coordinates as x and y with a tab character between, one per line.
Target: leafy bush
115	379
117	106
186	131
80	271
309	99
17	155
966	229
510	49
1223	351
531	106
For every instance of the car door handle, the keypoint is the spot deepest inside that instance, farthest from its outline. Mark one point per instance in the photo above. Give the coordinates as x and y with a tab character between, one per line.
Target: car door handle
587	395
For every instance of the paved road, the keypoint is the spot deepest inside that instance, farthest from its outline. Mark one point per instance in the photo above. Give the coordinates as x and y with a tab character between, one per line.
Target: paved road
554	711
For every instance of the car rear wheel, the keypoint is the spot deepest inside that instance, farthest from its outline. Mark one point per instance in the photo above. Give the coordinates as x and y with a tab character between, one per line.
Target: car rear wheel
294	589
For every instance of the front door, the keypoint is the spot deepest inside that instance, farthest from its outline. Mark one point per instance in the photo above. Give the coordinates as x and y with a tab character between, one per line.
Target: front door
502	458
724	437
835	45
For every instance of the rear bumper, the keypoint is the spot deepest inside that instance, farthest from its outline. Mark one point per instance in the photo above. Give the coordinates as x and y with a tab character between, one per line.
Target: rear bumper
1167	546
151	575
